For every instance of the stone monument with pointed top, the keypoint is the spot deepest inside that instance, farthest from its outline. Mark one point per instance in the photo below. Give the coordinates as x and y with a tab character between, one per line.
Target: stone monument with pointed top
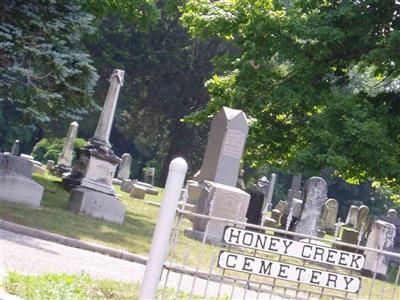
64	162
91	177
228	133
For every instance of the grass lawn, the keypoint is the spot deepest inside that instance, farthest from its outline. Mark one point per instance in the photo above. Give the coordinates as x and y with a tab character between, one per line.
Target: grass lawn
135	234
74	287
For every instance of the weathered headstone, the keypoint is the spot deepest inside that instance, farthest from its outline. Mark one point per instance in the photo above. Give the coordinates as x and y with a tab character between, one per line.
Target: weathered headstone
392	213
125	167
65	159
329	215
362	218
50	165
396	222
225	146
381	237
294	191
149	175
314	196
15	148
218	200
270	192
138	191
352	215
92	175
349	236
16	184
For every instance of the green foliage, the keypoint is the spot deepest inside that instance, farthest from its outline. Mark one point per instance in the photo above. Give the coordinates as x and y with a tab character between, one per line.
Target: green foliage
45	73
50	149
144	14
319	80
165	74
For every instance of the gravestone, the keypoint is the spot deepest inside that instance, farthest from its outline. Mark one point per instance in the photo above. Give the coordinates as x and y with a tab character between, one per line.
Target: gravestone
294	191
126	185
362	218
349	236
314	196
50	165
65	159
352	215
255	210
149	175
392	213
125	167
396	222
270	192
221	201
381	237
16	184
138	191
329	214
15	148
90	180
228	133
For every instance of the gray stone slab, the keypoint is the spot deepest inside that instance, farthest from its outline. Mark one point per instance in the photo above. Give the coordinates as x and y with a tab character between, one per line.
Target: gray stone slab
97	205
20	190
14	165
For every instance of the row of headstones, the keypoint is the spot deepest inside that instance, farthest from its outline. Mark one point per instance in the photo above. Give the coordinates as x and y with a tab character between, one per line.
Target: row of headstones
380	233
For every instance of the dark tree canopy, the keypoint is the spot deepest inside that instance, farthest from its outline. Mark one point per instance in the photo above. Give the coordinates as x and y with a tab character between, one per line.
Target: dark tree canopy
45	73
319	79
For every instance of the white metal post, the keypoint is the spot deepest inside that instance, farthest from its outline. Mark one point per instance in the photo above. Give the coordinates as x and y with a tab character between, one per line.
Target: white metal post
162	232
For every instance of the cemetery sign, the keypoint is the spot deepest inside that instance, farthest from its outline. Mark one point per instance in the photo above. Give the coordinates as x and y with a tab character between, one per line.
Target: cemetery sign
283	246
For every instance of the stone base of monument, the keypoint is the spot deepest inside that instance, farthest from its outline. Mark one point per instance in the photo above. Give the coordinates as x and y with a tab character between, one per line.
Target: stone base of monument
222	201
97	205
20	190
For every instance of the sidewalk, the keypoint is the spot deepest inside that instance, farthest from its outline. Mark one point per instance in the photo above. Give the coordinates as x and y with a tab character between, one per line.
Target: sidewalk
31	255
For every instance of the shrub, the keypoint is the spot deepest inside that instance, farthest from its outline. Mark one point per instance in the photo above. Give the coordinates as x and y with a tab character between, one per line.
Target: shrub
50	149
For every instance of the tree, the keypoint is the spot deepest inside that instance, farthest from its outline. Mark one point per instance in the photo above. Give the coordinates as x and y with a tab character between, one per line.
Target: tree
319	79
45	73
164	82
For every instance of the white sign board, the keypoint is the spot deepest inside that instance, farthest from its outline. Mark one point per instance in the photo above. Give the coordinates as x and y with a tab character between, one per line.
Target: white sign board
280	270
254	240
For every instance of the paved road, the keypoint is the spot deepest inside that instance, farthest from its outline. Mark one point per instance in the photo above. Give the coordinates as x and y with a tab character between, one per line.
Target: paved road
34	256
